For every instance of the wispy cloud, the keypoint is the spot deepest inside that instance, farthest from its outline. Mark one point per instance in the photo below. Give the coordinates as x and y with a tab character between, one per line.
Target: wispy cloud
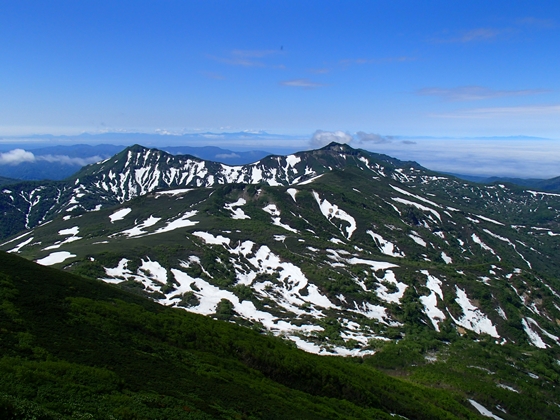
301	83
67	160
474	35
18	156
321	138
362	137
246	58
212	75
498	112
254	53
536	22
319	71
475	93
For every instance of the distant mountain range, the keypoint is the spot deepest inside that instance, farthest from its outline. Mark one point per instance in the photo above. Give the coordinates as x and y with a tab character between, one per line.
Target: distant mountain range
552	185
60	162
448	283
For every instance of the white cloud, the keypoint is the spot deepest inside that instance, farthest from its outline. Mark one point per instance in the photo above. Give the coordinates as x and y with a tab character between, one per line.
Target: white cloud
301	83
67	160
16	156
475	93
321	138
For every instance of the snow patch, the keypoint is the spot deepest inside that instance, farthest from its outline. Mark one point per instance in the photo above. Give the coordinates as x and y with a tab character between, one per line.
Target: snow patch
119	214
55	258
473	319
331	211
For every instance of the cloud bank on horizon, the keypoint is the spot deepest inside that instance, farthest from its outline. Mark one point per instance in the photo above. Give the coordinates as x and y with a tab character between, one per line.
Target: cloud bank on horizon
18	156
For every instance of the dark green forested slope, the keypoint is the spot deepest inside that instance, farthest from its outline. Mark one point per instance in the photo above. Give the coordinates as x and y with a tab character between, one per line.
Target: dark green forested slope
78	348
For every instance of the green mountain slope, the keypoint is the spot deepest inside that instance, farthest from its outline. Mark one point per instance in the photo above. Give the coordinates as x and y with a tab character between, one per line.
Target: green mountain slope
77	348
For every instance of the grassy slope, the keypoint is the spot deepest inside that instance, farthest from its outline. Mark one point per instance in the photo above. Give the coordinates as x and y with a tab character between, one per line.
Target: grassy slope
73	347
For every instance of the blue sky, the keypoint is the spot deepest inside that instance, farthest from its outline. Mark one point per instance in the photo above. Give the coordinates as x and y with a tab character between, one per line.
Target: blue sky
446	69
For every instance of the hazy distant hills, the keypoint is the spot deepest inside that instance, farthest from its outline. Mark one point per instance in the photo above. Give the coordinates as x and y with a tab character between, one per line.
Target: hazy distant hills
552	185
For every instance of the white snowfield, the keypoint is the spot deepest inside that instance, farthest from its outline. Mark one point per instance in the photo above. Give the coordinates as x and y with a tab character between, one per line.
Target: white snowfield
211	239
293	192
530	325
237	213
181	222
414	236
138	230
119	214
477	240
425	200
446	258
417	205
386	247
179	191
275	213
382	291
20	245
71	231
435	314
55	258
484	411
473	319
332	211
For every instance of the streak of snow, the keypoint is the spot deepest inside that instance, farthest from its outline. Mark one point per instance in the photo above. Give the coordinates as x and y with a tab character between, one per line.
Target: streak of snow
430	301
473	319
154	270
211	239
418	206
487	219
476	239
55	258
418	240
447	259
119	214
292	192
309	181
376	265
182	221
331	211
21	245
72	231
16	238
237	213
483	410
173	192
509	388
391	297
373	312
425	200
386	247
139	229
